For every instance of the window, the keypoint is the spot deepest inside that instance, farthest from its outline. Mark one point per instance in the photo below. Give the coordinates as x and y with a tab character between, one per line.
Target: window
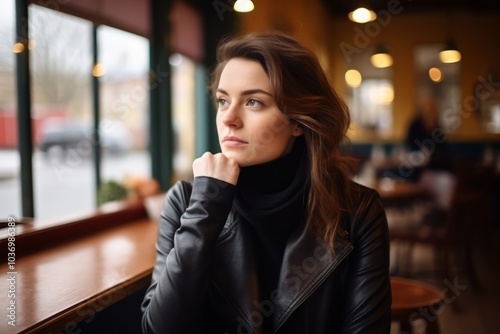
183	111
61	68
371	104
370	94
61	63
440	81
487	100
124	104
62	74
10	188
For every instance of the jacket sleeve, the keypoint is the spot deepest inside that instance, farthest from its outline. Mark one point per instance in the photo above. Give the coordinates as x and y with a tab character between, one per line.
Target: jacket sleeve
186	236
368	306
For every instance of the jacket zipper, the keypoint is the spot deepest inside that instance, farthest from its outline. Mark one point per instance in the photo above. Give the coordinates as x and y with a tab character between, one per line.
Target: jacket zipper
313	287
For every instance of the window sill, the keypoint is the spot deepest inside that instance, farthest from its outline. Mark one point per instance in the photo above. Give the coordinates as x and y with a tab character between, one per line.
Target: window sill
32	235
66	272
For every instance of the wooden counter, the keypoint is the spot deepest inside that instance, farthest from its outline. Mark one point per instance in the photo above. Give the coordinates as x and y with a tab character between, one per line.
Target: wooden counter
69	279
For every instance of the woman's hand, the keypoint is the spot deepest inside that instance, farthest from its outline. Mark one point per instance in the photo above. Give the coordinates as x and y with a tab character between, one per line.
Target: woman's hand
217	166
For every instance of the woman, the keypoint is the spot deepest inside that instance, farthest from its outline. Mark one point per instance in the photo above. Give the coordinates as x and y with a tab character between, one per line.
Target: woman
271	236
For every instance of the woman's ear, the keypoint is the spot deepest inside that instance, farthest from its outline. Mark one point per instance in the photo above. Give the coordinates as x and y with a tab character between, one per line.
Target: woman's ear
297	130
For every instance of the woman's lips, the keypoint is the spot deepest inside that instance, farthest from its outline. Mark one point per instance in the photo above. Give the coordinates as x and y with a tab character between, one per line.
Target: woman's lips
233	141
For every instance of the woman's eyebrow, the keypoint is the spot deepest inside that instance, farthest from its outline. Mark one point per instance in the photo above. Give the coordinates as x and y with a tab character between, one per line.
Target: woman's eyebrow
247	92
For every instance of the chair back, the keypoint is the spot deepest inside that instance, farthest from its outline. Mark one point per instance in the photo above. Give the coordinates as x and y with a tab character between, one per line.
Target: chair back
440	186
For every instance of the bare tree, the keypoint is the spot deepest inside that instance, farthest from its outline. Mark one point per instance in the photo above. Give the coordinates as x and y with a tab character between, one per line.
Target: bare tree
61	60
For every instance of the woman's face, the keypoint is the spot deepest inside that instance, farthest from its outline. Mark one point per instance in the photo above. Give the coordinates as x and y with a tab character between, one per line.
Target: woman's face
252	130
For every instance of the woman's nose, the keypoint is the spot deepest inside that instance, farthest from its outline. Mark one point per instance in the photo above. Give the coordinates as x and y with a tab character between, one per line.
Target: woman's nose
232	116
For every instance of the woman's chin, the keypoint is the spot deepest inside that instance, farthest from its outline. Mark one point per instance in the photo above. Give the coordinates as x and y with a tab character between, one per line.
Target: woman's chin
236	157
241	161
245	159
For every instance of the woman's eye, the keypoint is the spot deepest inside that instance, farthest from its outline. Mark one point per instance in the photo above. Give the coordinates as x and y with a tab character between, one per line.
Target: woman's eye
221	102
254	103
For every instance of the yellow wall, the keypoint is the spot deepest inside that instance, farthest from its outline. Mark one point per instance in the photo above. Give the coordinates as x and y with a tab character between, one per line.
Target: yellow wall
477	36
307	20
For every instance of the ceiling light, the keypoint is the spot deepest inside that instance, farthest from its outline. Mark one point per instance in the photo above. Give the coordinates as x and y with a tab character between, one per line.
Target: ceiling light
381	57
243	6
353	78
450	53
362	15
435	74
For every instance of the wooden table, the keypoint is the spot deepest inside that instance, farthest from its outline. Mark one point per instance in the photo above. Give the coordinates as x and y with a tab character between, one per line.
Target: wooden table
59	285
396	193
412	299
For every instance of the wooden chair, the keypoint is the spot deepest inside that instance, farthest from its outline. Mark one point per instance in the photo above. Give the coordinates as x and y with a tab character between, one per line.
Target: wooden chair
414	300
434	227
448	225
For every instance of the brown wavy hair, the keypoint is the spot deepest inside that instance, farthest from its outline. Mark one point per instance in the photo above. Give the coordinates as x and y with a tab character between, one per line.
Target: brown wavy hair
303	92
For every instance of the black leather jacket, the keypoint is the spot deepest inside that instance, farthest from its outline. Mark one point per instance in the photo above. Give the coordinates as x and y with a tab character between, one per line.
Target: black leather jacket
205	279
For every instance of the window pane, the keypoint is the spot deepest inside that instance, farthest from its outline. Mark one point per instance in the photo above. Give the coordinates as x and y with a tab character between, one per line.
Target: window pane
183	96
372	102
440	81
124	104
370	93
61	63
10	186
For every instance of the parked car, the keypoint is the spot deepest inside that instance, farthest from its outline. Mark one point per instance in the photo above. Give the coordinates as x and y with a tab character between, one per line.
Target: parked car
114	137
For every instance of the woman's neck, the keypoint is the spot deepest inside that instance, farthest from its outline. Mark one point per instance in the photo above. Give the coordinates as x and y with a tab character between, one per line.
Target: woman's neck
274	176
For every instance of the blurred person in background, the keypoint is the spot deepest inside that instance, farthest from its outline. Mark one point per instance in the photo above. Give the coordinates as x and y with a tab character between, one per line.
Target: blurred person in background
426	138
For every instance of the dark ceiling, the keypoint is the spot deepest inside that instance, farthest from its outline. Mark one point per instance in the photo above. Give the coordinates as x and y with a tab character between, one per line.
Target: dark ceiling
342	7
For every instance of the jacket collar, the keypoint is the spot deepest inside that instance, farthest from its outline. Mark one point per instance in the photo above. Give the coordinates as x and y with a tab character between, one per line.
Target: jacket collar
307	262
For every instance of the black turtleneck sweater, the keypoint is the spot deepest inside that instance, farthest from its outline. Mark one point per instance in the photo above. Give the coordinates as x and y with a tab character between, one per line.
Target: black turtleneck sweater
271	197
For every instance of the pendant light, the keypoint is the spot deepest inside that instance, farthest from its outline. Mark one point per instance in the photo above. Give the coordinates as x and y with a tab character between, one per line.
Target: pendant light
381	58
243	6
450	53
362	14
